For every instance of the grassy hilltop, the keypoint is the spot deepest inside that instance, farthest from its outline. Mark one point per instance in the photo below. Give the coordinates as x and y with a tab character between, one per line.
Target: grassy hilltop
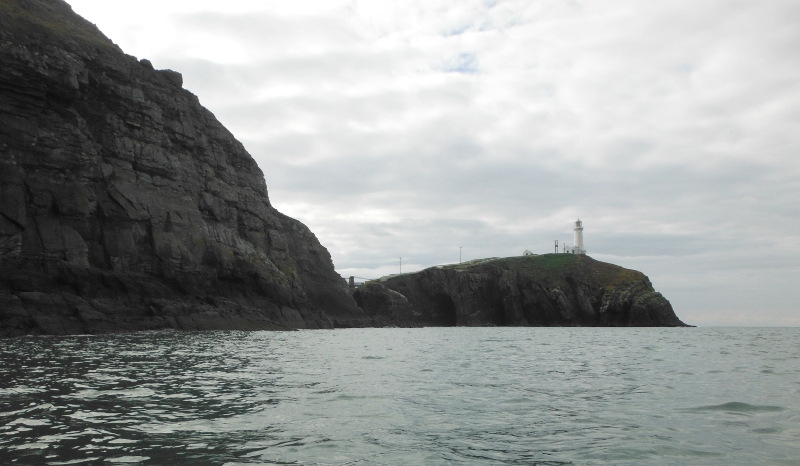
548	289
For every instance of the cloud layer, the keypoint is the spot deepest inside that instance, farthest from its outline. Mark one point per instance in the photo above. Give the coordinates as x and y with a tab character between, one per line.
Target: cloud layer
407	129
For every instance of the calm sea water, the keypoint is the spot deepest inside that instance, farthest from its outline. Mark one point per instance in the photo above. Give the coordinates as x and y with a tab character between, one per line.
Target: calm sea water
431	396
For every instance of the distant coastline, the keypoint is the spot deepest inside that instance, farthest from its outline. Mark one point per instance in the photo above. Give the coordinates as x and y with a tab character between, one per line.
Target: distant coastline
531	290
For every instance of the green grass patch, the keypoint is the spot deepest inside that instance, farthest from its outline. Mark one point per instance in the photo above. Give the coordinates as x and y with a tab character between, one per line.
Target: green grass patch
541	268
50	21
540	262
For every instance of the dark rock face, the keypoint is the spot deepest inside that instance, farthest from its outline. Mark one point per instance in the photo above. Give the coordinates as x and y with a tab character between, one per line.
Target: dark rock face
547	290
125	205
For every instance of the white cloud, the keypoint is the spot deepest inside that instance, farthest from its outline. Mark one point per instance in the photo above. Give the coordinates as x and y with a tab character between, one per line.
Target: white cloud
409	128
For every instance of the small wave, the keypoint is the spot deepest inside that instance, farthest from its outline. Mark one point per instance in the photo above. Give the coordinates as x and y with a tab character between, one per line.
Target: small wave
134	393
20	390
127	459
122	440
351	397
95	417
767	430
125	393
29	422
31	446
516	400
373	357
739	407
31	409
78	461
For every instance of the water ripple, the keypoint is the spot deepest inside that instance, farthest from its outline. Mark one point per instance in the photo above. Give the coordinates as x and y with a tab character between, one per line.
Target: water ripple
404	396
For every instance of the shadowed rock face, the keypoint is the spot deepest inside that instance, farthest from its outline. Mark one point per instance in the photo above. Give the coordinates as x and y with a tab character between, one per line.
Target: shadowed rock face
125	205
546	290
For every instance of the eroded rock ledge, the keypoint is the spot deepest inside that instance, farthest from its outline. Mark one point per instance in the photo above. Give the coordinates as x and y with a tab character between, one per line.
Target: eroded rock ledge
546	290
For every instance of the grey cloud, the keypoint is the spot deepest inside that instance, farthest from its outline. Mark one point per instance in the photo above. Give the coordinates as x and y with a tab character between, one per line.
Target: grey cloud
273	32
668	127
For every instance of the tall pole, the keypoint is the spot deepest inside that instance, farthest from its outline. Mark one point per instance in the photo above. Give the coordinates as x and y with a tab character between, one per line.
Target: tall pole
556	246
401	265
459	254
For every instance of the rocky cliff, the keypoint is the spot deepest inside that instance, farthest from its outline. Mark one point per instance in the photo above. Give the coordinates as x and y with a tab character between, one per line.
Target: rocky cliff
125	205
546	290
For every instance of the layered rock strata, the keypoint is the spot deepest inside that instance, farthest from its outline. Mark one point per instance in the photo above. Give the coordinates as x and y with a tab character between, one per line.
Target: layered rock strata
125	205
546	290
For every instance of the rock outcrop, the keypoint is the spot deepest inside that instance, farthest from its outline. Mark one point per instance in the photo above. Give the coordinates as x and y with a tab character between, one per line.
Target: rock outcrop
125	205
546	290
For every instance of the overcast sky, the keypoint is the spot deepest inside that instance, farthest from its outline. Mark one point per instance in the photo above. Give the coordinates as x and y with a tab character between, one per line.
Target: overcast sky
410	128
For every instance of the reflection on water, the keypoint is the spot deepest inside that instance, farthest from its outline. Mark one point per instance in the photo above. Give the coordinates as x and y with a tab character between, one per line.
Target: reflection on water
404	396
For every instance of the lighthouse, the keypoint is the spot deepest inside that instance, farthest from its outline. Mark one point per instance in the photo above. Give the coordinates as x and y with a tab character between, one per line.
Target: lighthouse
577	247
578	234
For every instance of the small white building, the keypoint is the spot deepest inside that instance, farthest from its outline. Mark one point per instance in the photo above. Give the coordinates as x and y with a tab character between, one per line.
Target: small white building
577	247
528	253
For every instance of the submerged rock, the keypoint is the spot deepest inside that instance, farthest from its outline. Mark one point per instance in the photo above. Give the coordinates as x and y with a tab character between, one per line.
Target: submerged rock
125	205
546	290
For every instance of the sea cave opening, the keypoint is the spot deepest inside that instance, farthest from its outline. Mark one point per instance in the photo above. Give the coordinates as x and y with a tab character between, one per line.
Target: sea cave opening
446	309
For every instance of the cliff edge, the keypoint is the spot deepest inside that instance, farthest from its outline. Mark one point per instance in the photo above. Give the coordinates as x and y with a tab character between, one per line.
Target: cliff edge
125	205
545	290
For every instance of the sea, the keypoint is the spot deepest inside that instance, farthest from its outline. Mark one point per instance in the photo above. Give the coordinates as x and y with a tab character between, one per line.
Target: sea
394	396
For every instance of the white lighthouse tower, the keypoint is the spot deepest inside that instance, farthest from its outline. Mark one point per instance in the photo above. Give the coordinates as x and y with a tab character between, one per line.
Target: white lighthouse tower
577	247
579	234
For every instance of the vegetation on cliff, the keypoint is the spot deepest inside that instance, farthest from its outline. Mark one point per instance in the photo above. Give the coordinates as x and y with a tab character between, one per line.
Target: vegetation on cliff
550	289
53	22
